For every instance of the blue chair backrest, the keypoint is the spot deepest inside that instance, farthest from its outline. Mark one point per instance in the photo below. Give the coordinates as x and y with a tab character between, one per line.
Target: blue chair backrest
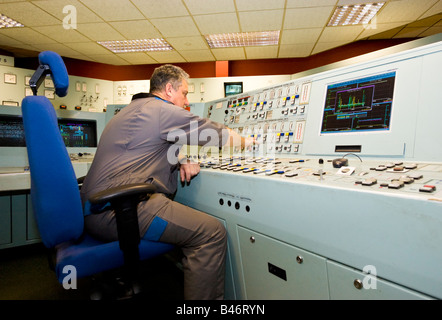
54	189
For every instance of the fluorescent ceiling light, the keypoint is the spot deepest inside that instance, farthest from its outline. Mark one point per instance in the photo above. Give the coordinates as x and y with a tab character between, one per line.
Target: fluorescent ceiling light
354	14
122	46
6	22
242	39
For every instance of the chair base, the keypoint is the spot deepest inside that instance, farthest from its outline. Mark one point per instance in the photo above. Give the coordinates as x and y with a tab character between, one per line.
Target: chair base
111	286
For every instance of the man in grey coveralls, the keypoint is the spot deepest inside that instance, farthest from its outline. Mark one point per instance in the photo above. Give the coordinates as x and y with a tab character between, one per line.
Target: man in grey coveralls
136	147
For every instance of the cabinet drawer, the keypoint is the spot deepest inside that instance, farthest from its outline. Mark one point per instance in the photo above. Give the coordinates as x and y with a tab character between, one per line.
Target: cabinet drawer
275	270
5	220
352	284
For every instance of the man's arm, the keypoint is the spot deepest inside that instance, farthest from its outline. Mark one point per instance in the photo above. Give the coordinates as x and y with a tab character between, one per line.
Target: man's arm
235	140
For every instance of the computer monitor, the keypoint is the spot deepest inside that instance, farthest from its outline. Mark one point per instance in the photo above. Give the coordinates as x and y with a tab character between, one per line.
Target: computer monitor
232	88
78	133
12	133
359	105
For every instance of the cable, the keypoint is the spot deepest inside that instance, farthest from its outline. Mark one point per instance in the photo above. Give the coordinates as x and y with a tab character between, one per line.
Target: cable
352	154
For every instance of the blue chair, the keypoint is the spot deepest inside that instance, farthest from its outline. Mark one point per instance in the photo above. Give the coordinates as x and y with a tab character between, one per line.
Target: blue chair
56	198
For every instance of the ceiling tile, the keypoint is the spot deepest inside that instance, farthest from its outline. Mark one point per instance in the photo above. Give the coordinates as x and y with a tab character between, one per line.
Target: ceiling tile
302	25
295	50
137	29
298	36
386	34
188	43
229	54
114	10
217	23
267	52
247	5
340	33
109	59
431	31
61	49
197	55
307	17
8	40
403	10
436	8
99	31
409	32
210	6
25	50
176	27
60	34
379	29
324	46
167	57
427	22
349	2
27	35
169	8
88	48
55	8
28	14
312	3
261	20
136	58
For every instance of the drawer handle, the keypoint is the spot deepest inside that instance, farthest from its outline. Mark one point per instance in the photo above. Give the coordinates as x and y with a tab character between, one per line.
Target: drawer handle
299	259
252	239
358	284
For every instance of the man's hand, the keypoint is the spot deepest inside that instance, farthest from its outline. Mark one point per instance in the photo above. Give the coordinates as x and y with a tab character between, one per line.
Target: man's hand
188	170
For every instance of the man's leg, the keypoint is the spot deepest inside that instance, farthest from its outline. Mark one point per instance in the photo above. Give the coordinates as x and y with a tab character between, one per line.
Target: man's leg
203	240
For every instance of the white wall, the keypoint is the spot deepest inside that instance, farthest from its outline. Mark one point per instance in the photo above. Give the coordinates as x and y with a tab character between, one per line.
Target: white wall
88	93
213	87
94	94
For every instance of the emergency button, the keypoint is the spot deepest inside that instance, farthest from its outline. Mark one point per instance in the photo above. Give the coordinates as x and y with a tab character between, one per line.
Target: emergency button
427	188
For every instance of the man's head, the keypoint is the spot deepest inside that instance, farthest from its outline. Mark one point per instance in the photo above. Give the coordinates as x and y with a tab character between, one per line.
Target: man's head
170	83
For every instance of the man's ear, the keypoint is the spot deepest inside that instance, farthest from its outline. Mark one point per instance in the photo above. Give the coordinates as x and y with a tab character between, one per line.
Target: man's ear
169	89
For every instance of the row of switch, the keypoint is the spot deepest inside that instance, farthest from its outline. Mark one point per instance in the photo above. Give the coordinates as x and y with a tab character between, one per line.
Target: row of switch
263	168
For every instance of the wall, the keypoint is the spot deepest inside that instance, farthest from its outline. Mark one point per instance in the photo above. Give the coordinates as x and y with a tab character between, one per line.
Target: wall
88	93
213	88
92	94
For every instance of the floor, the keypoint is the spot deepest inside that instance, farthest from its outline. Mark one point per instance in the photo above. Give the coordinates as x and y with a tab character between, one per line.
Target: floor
25	275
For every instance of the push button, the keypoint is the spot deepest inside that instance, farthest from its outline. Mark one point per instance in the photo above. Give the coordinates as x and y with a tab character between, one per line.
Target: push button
396	184
369	182
427	188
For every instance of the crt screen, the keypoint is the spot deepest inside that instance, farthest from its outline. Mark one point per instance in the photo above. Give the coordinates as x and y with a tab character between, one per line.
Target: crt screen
362	104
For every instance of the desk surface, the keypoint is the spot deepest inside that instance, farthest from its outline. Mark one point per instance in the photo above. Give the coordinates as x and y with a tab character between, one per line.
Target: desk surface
18	178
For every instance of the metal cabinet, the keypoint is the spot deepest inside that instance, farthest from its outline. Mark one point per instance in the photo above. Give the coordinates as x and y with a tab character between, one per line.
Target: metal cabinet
350	284
5	220
275	270
17	222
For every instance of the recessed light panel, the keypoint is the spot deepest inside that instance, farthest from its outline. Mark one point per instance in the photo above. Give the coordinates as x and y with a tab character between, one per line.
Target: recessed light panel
123	46
354	14
6	22
242	39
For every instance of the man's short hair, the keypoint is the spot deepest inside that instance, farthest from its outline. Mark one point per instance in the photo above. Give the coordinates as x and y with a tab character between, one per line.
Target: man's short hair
165	74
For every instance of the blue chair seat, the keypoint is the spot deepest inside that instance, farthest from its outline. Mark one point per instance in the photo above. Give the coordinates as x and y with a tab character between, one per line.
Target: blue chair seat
103	255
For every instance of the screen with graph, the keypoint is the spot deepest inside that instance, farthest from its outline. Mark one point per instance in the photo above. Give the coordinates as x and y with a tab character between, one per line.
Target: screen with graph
358	105
78	133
